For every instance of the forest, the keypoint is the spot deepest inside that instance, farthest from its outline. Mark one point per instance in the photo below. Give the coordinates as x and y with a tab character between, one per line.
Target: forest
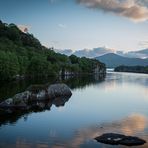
22	55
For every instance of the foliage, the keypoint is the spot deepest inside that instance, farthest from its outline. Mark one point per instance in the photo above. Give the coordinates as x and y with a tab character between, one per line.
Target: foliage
9	65
39	67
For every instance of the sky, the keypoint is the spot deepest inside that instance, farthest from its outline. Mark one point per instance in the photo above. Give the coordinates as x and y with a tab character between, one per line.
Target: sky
78	24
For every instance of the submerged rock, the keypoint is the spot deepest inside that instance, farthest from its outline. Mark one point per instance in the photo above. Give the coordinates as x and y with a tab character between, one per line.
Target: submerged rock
119	139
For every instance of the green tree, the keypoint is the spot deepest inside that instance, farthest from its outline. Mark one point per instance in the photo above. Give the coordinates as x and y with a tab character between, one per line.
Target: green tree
9	66
39	67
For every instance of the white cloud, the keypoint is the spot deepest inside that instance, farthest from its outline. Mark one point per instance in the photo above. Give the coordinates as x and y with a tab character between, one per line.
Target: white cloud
90	53
24	28
136	10
143	44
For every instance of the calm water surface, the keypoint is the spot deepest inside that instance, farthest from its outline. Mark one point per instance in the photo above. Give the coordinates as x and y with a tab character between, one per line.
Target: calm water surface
117	104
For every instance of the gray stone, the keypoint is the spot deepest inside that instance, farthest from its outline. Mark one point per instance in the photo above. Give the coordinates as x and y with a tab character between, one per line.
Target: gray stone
41	95
9	101
21	97
57	90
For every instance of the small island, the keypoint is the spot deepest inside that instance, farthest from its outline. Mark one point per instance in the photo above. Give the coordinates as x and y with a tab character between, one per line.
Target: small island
134	69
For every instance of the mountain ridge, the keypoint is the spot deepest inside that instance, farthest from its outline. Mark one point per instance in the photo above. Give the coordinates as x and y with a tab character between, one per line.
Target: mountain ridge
114	60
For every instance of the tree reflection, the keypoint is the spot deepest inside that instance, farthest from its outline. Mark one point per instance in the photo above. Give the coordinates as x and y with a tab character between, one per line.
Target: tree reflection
10	89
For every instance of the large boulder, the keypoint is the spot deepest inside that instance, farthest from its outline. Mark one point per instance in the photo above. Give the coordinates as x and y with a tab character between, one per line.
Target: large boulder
57	90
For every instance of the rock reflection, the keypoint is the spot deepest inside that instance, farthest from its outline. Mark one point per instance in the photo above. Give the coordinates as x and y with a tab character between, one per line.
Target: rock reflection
39	106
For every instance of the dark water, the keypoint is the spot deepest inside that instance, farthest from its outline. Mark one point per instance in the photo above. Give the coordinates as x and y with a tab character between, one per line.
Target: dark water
117	104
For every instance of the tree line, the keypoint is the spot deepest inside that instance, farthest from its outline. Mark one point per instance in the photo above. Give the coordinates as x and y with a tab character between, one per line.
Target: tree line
135	69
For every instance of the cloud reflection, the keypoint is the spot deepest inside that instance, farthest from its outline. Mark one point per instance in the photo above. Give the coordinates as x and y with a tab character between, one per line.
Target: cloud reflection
133	125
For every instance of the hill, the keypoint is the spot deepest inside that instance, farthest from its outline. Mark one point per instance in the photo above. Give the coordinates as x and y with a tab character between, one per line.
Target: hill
22	55
114	60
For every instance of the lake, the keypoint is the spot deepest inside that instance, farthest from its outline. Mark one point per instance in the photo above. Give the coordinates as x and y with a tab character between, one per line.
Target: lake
117	103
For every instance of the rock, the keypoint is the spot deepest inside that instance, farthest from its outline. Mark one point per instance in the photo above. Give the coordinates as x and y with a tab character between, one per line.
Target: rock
7	102
4	104
119	139
41	95
21	97
57	90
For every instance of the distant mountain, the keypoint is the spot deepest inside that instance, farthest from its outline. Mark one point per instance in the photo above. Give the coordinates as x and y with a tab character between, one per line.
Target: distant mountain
114	60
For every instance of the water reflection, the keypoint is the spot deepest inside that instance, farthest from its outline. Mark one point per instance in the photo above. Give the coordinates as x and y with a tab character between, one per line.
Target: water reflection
72	82
10	89
133	78
133	125
83	81
118	104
